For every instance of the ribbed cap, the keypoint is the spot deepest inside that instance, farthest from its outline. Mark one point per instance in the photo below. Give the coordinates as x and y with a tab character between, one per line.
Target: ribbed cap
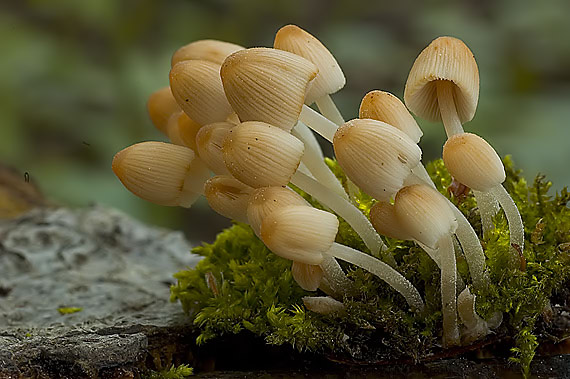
376	156
299	233
264	201
385	107
472	161
209	141
308	277
197	88
228	197
160	106
161	173
445	58
267	85
206	49
181	130
297	41
424	214
262	155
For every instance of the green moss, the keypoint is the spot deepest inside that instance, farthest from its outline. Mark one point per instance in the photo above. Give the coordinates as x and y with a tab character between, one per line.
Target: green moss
68	310
174	372
240	285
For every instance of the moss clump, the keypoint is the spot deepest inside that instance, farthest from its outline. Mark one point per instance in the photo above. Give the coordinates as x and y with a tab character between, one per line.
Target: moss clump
240	285
174	372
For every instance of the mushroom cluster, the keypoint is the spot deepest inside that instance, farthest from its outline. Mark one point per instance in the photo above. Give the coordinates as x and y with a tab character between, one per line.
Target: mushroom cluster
241	131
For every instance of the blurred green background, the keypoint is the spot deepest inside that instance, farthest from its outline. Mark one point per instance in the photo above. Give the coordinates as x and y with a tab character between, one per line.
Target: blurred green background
75	76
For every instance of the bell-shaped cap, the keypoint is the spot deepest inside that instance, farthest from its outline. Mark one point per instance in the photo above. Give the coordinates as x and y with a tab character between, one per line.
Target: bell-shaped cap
262	155
299	233
308	277
472	161
330	78
228	197
385	107
182	130
268	85
210	50
445	58
161	173
209	141
424	214
265	200
376	156
384	220
160	106
197	88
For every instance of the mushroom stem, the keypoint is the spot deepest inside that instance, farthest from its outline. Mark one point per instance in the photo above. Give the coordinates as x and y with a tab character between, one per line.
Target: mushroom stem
319	123
329	109
446	103
448	293
357	220
421	172
488	208
516	227
314	159
434	255
336	278
382	270
475	326
468	240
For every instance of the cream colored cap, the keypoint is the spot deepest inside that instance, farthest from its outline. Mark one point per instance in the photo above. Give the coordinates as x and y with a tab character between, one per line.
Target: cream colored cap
308	277
262	155
323	304
267	85
376	156
445	58
210	141
297	41
161	173
472	161
385	107
182	130
197	88
299	233
160	106
265	200
228	197
424	214
383	218
206	49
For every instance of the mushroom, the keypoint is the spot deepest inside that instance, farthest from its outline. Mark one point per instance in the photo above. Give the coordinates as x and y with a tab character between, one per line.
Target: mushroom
161	173
228	197
207	49
473	162
209	141
330	78
307	235
160	106
265	201
181	130
425	215
381	160
260	155
197	88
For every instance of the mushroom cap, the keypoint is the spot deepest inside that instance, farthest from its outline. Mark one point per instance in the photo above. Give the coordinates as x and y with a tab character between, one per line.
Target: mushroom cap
299	233
330	78
197	88
424	214
472	161
206	49
262	155
445	58
228	197
181	130
265	200
376	156
161	173
385	107
268	85
308	277
160	106
383	218
209	142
